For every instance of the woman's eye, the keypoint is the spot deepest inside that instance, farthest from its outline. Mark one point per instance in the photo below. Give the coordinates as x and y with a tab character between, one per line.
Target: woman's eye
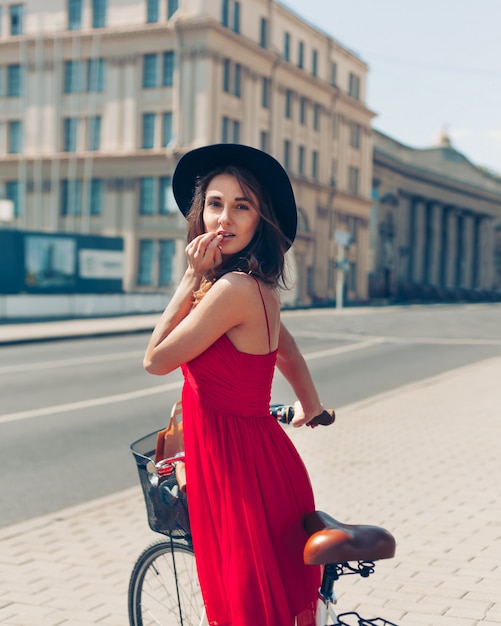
242	207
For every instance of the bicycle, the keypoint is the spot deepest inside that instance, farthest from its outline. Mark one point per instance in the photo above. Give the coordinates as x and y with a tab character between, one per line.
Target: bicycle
163	588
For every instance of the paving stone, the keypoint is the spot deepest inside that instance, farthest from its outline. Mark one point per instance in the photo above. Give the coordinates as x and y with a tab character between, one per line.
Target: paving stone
412	460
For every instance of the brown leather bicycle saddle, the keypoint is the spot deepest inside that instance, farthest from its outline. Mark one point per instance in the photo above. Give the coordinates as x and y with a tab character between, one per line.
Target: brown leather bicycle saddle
331	541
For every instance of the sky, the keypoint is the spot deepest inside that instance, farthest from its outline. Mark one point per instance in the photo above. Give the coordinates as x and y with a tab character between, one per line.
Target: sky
433	65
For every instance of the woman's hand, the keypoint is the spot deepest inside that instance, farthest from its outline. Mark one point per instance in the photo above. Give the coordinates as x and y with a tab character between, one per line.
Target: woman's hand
301	417
203	253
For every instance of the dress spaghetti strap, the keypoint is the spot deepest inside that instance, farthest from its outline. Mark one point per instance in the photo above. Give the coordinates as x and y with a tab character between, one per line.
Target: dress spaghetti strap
265	312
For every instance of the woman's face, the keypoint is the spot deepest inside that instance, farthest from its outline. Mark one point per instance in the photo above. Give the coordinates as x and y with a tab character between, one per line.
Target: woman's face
231	213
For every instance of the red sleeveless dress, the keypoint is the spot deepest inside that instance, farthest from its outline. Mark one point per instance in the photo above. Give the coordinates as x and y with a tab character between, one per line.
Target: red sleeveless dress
248	492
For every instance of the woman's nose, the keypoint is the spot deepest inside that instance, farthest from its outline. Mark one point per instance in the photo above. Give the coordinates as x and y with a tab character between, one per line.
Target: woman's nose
224	216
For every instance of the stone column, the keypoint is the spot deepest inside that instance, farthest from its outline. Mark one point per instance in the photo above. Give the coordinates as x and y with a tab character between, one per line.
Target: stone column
418	240
435	244
450	260
487	243
467	255
428	237
443	250
362	286
403	240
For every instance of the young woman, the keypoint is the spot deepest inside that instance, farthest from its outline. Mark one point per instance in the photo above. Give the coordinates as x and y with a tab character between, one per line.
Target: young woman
248	488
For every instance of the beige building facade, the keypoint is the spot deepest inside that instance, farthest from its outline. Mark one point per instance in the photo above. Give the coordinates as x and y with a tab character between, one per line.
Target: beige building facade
436	224
100	98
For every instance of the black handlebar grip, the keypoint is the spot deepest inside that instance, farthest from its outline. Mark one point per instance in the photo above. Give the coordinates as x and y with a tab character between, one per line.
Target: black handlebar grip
284	414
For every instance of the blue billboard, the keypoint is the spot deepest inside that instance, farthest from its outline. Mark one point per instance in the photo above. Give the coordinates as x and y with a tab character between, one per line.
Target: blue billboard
37	262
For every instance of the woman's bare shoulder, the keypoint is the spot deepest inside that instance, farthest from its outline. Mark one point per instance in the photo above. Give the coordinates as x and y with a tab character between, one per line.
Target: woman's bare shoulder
246	285
237	281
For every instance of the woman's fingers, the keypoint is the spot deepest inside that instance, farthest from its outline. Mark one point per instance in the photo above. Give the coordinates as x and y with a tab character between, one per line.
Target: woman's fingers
203	252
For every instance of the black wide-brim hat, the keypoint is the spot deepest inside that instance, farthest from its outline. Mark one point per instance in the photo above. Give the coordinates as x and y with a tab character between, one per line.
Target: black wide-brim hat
268	171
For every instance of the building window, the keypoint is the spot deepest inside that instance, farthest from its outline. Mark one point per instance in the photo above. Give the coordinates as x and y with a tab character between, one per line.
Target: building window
225	130
71	197
167	203
145	262
12	193
265	92
225	13
172	7
353	180
354	86
236	131
16	19
287	154
316	117
264	141
94	133
96	194
333	74
230	130
166	262
300	160
74	14
73	77
314	165
226	75
300	55
148	141
70	134
302	110
230	14
99	13
333	173
355	135
95	75
15	137
150	71
236	17
314	63
152	11
238	80
167	129
288	103
263	33
147	195
168	68
232	80
287	47
14	81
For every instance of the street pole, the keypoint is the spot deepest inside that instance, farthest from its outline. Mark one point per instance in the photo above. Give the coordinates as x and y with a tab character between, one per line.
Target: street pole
343	240
340	277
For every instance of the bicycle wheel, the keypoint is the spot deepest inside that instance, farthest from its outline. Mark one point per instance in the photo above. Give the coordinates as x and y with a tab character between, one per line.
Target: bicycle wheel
163	588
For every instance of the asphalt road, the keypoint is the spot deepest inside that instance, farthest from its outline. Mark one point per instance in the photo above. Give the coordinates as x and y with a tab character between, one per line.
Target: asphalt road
70	409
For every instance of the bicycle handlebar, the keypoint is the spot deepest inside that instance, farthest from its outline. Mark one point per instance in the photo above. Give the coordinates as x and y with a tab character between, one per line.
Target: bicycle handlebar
284	414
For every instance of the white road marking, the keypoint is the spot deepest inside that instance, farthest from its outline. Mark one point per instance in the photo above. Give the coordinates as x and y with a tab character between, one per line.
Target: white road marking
84	360
85	404
123	397
341	349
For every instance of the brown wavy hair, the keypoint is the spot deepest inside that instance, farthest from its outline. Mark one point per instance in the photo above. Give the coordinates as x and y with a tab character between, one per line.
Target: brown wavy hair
264	256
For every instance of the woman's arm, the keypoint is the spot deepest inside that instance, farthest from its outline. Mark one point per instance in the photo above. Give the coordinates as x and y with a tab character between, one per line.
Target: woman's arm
202	254
178	308
178	339
292	365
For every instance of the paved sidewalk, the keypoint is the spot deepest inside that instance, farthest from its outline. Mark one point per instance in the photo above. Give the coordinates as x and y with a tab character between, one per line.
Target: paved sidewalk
70	329
423	461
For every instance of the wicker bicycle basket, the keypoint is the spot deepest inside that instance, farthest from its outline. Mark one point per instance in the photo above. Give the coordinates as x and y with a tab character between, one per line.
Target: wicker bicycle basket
166	505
